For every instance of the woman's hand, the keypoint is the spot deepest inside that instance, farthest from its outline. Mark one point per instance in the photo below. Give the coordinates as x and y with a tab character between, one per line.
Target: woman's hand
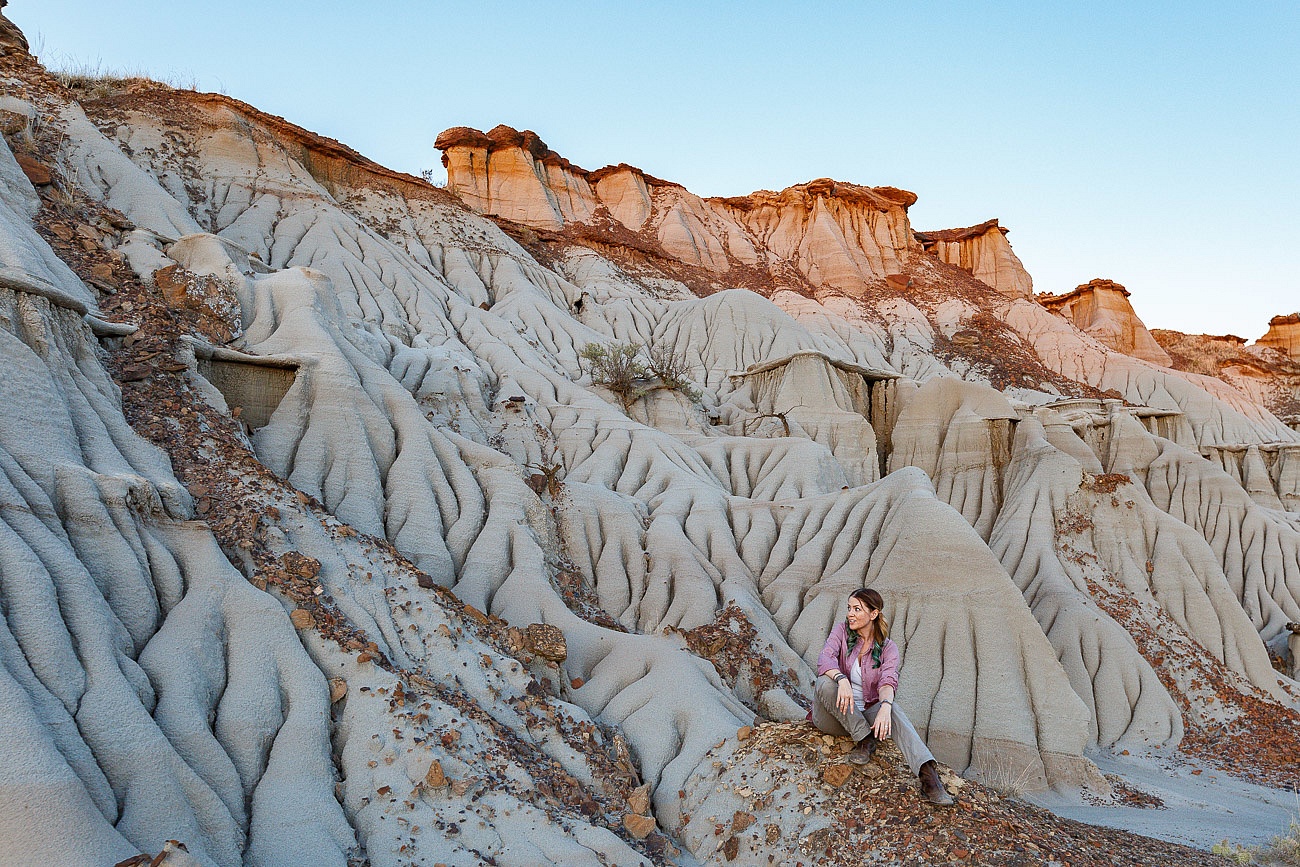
884	722
844	696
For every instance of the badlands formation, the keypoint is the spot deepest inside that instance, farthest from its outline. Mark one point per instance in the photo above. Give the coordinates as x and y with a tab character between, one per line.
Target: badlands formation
329	537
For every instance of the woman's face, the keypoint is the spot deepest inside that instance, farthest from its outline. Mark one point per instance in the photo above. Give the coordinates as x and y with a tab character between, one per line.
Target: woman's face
860	614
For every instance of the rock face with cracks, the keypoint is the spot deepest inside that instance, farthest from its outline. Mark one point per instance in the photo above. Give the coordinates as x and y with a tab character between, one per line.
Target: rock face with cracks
321	543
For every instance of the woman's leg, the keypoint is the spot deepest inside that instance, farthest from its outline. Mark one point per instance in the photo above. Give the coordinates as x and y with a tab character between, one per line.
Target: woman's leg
914	750
827	717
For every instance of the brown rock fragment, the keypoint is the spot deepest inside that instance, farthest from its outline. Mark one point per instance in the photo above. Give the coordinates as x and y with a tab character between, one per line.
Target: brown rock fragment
37	172
744	732
436	777
742	820
639	800
134	372
638	826
547	641
302	618
836	774
338	688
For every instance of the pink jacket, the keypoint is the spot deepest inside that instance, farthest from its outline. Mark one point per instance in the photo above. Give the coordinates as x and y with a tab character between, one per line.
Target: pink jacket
836	655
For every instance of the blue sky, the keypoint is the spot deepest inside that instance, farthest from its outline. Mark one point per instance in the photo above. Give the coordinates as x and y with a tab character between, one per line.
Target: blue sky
1151	143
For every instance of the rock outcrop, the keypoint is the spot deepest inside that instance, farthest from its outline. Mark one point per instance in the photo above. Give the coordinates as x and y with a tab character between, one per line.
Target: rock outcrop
1101	309
829	234
1265	373
1283	335
984	252
418	584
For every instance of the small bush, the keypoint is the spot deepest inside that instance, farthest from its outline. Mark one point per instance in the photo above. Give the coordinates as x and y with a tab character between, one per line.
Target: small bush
1000	773
1233	852
1286	847
616	367
672	372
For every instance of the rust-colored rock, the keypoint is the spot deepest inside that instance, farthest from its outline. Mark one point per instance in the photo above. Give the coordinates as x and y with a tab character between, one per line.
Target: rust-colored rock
638	826
302	618
837	774
436	776
731	848
134	372
37	172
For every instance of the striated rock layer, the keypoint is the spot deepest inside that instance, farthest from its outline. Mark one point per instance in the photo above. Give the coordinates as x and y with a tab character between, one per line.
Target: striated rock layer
984	252
1283	335
1101	309
326	539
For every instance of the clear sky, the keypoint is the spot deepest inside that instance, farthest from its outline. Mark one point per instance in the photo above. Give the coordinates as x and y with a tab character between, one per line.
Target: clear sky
1154	144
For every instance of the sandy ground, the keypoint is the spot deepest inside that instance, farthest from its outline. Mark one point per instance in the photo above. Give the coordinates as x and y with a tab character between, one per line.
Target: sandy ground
1200	810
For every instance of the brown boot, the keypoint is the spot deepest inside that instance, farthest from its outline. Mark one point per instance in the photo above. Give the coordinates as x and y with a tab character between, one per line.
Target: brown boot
862	753
932	786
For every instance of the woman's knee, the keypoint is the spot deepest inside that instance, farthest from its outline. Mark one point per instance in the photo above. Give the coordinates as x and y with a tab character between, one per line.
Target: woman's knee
826	691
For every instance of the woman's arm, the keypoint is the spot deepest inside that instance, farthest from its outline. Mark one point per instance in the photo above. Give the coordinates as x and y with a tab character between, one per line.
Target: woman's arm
884	721
885	687
828	665
828	660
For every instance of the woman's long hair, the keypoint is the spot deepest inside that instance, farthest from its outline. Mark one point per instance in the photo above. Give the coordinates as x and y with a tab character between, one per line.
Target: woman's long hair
875	602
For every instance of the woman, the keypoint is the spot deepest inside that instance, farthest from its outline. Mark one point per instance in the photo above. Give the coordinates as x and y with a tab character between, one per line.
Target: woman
857	673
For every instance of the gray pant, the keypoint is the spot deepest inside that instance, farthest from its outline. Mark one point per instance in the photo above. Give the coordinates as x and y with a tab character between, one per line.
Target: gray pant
857	725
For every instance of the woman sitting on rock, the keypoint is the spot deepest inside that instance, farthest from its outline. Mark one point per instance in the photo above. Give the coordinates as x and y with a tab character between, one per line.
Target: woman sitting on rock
857	673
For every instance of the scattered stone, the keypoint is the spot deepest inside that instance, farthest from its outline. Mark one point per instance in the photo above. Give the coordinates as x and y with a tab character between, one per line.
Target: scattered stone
338	689
638	826
639	800
836	774
547	641
302	618
37	172
134	372
743	733
436	777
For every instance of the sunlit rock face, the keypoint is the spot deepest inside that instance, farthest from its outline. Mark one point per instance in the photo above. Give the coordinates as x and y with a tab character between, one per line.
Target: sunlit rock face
1283	335
1264	372
321	521
1101	309
984	252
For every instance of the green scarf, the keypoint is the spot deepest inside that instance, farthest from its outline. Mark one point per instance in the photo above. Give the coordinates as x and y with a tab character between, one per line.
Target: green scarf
876	648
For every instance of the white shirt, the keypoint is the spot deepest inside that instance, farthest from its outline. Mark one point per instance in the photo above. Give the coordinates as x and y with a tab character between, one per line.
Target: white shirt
855	681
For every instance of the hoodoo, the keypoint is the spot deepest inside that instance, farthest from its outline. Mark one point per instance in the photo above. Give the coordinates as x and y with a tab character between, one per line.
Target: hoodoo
1284	335
1101	309
984	252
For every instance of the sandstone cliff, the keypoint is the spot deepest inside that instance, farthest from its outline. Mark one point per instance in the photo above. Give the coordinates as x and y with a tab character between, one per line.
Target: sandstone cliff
1101	309
984	252
324	542
1283	335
